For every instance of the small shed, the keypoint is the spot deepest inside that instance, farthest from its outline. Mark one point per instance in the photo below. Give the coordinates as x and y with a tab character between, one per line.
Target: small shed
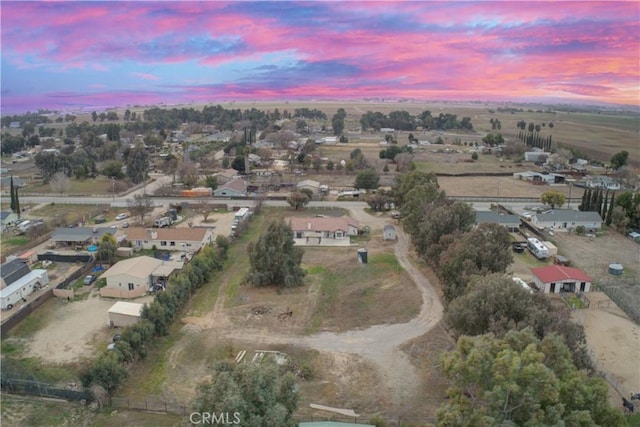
123	314
124	252
389	232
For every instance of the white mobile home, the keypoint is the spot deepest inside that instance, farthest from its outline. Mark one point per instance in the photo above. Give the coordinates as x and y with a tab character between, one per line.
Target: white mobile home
537	248
22	288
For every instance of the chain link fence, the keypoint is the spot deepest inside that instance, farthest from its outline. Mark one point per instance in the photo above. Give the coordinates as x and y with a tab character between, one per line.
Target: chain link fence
625	292
35	388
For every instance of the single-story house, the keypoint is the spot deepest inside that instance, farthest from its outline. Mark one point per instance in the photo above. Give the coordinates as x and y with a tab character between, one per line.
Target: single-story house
567	219
122	314
11	271
79	236
510	222
8	218
226	175
604	182
234	188
134	277
326	231
173	239
540	178
389	232
558	278
309	184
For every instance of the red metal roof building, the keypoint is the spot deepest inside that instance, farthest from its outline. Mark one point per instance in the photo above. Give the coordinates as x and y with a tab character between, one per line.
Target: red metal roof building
558	278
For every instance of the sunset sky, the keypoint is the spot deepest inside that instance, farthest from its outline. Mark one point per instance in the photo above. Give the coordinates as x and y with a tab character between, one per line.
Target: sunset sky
92	55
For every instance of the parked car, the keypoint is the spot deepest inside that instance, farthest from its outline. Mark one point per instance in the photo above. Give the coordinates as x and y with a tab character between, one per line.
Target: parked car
125	225
89	279
518	248
116	338
122	216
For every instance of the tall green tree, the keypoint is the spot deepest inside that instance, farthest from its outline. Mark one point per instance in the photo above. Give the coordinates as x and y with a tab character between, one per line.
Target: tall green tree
553	198
598	206
609	217
521	380
367	179
593	202
586	197
405	182
274	259
13	195
491	303
298	199
619	159
107	247
17	200
485	249
107	372
254	395
137	161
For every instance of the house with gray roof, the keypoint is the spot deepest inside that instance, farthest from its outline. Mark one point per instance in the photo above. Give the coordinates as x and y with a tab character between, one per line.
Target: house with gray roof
604	182
567	219
510	222
233	188
79	236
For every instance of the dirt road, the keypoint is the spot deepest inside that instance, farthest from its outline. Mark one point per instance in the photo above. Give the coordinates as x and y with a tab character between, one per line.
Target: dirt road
379	344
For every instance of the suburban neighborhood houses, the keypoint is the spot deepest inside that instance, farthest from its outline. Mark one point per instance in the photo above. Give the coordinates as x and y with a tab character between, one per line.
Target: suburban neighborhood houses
397	248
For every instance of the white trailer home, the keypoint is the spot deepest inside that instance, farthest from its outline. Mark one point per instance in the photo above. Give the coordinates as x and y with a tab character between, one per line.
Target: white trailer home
22	288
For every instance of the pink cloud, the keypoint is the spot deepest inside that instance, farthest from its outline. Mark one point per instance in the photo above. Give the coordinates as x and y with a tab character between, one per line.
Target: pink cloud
146	76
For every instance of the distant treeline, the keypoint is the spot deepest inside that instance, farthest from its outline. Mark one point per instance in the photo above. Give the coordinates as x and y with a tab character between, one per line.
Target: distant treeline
402	120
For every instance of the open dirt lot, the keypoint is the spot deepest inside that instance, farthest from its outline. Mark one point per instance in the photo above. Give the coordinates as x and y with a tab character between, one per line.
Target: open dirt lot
73	330
612	337
613	340
502	186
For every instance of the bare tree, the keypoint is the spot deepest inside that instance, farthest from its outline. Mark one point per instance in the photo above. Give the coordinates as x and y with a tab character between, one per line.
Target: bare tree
60	183
403	161
140	205
202	206
188	173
